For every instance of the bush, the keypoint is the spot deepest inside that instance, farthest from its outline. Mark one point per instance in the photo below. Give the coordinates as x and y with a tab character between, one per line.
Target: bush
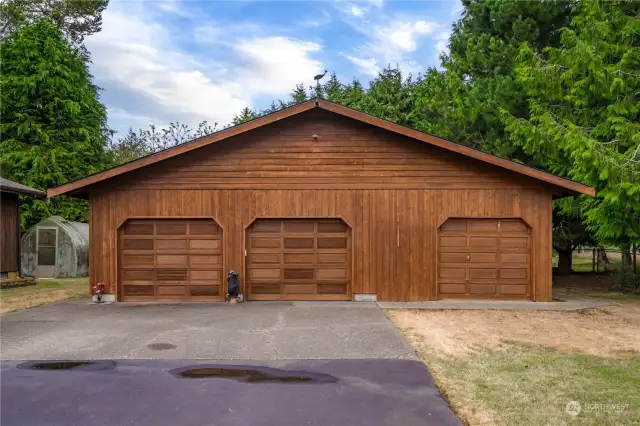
626	280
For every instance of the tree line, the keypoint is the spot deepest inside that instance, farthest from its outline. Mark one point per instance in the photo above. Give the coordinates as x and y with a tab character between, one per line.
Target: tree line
551	84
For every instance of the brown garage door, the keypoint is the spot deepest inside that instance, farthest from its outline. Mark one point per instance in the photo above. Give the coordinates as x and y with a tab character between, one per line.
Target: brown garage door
170	260
484	258
298	259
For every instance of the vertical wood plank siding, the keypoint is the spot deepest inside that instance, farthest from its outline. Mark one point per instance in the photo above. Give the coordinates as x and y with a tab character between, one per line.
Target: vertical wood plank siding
10	237
392	191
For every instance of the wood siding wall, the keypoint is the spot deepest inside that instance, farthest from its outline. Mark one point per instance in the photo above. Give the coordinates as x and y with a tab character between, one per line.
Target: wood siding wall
393	192
10	238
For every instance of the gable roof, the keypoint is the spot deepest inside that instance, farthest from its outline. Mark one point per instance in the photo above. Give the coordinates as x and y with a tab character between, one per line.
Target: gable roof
566	186
7	185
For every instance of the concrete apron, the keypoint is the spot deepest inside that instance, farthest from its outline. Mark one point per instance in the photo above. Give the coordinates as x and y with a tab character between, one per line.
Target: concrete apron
562	302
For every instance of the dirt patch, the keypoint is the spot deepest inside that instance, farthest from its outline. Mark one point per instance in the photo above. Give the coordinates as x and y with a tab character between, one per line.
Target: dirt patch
612	331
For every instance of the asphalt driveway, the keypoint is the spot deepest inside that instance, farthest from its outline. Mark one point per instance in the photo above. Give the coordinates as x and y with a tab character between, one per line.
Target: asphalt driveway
77	329
280	363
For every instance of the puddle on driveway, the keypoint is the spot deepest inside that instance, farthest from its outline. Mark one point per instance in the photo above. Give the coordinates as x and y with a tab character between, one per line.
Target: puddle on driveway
251	374
67	365
161	346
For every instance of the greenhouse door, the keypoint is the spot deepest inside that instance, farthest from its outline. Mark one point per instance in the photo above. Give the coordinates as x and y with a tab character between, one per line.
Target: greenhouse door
46	239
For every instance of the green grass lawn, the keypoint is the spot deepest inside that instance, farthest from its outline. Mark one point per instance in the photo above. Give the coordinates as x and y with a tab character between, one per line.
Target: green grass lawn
45	291
522	368
530	385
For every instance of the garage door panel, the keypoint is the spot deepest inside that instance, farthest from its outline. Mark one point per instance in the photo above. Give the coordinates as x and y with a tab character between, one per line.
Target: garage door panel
332	274
299	274
459	257
310	259
514	242
138	275
262	258
167	290
304	258
262	274
483	226
213	274
170	227
201	261
161	259
514	289
257	243
482	273
332	243
454	226
204	291
137	261
263	288
332	258
451	242
332	227
455	272
298	243
331	288
514	258
482	289
494	262
488	257
486	243
514	273
172	245
205	245
137	244
171	274
453	288
204	227
299	288
138	228
516	226
298	227
138	290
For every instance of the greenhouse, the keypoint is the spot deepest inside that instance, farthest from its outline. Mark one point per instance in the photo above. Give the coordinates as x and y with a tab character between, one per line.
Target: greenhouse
55	248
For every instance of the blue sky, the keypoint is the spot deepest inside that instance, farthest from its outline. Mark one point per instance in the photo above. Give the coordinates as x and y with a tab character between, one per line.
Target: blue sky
185	60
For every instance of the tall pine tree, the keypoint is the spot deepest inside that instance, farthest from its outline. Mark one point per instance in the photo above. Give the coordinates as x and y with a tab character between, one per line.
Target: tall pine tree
53	126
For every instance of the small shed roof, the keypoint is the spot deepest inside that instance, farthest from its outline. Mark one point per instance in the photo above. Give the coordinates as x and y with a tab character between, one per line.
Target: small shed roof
560	186
10	186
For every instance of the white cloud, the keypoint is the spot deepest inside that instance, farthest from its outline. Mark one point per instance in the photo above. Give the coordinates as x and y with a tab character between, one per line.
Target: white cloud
355	10
403	35
368	66
147	76
392	43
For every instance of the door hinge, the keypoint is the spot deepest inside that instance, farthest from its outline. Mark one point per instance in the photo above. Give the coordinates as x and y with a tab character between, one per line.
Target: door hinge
245	253
498	225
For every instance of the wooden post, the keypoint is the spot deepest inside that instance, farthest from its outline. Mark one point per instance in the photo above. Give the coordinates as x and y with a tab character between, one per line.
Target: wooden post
593	261
635	264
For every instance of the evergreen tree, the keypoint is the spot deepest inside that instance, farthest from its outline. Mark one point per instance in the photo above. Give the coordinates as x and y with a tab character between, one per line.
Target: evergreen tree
584	114
53	126
247	114
75	18
299	94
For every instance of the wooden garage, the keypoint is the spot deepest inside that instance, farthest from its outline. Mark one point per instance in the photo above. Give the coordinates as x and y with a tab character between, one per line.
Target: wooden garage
321	202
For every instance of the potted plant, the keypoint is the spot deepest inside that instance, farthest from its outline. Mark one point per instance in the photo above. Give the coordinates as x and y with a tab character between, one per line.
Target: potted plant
98	290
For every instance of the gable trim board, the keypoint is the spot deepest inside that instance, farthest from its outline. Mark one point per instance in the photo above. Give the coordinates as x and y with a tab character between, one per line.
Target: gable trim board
393	187
561	186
